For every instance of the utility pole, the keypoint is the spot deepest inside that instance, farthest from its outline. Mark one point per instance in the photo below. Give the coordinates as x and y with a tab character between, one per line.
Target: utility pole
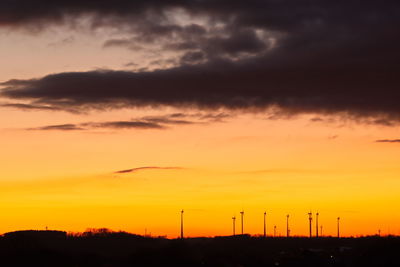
234	225
241	217
310	220
182	224
287	226
338	227
265	224
316	221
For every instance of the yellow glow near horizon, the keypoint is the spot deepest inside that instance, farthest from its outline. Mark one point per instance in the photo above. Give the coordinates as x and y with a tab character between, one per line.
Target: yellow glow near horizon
65	180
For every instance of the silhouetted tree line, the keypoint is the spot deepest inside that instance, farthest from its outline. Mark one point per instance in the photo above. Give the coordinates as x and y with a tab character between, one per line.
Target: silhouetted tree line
102	247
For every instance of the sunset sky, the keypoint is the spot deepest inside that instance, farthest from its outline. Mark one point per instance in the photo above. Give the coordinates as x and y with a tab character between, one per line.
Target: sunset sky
119	114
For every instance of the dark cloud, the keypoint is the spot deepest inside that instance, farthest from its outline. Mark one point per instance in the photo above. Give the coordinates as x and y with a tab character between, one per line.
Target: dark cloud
388	141
59	127
131	64
216	117
317	119
124	125
237	42
126	43
387	120
147	122
166	120
306	56
223	85
102	125
147	168
383	122
192	57
28	106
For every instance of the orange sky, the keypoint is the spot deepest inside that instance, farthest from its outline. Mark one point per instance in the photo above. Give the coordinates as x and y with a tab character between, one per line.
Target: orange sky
65	179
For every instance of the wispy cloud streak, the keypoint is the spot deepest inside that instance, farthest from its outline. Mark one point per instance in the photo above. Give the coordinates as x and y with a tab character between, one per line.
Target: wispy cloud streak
133	170
159	122
388	141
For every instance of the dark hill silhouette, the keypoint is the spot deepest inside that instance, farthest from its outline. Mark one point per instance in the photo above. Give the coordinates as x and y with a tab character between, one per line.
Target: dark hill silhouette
28	234
106	248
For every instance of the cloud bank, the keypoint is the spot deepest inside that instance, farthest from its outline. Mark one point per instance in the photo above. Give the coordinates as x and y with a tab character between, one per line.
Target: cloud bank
306	56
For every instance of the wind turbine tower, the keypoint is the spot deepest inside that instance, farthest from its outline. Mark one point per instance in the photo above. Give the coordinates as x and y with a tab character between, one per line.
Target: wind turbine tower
338	227
182	224
310	220
241	219
287	226
265	224
316	221
234	225
274	230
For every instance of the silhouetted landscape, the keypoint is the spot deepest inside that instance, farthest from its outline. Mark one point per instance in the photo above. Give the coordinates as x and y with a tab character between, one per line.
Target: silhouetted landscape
103	247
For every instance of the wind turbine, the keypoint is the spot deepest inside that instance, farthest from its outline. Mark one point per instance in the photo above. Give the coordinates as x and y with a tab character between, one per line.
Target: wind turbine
338	227
310	220
274	230
287	226
241	217
234	225
316	221
265	224
182	224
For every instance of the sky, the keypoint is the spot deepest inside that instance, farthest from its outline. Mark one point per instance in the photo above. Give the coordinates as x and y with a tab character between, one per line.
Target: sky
118	114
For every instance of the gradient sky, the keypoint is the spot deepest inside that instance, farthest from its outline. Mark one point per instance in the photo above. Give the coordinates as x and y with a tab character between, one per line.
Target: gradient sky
119	114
